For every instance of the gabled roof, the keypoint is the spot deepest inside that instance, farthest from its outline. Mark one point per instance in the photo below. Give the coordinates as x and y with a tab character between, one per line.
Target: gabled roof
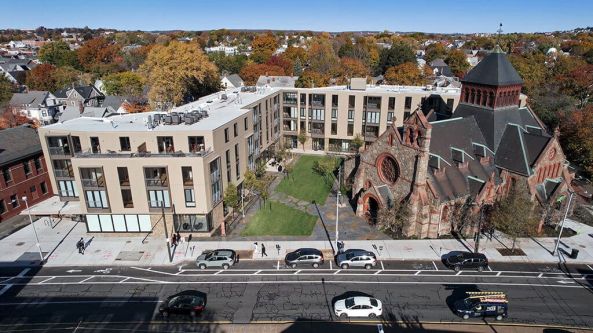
34	98
519	149
84	91
235	79
494	70
17	143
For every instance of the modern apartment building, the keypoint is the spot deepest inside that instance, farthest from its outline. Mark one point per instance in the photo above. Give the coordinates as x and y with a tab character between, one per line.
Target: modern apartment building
140	172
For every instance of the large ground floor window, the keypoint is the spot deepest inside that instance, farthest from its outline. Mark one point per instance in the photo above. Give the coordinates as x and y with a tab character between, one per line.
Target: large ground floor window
118	223
192	223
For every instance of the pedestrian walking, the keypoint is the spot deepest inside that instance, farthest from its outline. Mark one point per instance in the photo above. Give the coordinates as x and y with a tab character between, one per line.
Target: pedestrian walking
255	248
263	250
80	245
178	240
173	239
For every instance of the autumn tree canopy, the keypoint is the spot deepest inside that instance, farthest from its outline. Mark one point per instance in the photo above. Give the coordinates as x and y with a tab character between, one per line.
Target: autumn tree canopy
99	56
6	90
177	72
457	62
263	47
407	74
398	54
253	71
124	83
58	53
322	58
51	78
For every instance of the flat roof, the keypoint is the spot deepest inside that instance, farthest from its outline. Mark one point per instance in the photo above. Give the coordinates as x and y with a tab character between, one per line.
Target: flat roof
220	112
386	89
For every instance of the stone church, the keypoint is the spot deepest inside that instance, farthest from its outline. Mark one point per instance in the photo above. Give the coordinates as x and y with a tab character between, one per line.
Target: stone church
469	158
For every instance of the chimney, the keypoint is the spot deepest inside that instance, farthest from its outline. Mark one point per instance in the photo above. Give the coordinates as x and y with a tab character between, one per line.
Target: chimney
80	107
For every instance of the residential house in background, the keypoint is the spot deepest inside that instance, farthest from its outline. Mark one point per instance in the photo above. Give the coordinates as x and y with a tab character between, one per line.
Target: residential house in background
39	105
71	112
85	95
23	171
276	81
440	68
230	81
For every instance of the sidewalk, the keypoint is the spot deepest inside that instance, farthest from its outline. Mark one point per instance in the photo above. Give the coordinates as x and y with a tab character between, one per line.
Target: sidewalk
58	244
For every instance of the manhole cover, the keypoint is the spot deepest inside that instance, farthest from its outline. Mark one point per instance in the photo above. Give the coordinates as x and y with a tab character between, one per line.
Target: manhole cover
20	243
130	255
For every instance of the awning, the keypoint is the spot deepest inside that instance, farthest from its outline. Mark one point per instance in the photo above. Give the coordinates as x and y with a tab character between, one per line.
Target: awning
53	206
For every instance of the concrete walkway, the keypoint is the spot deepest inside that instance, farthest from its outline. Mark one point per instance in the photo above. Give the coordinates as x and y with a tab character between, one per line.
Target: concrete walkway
58	244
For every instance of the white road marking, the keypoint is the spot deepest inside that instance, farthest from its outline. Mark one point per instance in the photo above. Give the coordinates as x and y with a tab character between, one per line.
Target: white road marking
498	274
217	272
53	277
435	266
161	272
73	271
104	271
124	280
377	272
458	273
417	273
330	264
85	280
591	268
490	269
540	275
565	282
8	286
297	272
278	265
338	271
382	267
257	272
77	302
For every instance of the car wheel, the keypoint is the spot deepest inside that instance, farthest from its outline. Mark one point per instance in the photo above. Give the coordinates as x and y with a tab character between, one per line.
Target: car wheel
343	315
202	266
499	317
344	266
457	268
225	266
165	314
315	265
466	316
293	265
368	266
480	269
372	316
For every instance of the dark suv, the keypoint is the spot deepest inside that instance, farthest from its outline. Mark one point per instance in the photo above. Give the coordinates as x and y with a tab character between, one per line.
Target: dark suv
463	260
311	257
483	304
189	302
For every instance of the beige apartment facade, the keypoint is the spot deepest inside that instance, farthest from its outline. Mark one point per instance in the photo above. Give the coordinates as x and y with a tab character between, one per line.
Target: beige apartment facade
140	173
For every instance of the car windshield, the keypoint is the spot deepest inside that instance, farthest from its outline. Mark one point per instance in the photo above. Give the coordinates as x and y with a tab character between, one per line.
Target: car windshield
350	256
209	255
349	302
374	302
470	302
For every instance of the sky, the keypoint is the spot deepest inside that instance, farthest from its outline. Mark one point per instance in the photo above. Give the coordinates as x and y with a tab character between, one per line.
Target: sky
445	16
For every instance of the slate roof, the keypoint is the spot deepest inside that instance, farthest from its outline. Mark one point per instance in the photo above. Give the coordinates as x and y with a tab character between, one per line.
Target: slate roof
113	101
84	91
494	70
235	79
519	149
18	143
72	112
34	98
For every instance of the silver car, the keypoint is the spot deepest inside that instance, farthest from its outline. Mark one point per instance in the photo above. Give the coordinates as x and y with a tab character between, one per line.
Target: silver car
217	258
356	258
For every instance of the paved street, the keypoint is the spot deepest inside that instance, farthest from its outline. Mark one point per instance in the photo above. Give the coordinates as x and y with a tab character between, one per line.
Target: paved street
413	293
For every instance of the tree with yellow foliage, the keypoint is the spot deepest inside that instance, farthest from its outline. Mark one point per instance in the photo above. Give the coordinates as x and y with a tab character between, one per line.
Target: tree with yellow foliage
406	74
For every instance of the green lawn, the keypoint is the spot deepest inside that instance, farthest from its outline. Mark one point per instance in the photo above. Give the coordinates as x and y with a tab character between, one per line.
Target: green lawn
304	183
280	220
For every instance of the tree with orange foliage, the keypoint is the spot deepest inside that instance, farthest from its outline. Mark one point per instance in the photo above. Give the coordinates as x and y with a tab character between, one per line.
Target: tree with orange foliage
293	53
263	47
576	137
578	83
250	73
41	78
281	61
11	119
312	79
457	62
406	74
351	67
99	56
322	58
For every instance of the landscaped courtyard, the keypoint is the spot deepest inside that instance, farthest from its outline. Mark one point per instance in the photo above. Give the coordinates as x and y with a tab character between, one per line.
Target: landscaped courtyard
277	219
304	182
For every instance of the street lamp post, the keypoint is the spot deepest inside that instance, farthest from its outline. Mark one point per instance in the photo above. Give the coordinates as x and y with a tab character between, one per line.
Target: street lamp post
562	224
242	202
477	247
34	230
337	207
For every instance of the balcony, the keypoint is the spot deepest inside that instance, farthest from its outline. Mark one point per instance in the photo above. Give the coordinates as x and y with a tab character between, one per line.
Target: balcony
317	132
162	181
286	128
288	115
114	154
341	149
99	182
59	151
64	173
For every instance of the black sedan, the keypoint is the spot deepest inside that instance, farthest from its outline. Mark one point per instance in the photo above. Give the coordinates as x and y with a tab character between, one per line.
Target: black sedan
189	302
463	260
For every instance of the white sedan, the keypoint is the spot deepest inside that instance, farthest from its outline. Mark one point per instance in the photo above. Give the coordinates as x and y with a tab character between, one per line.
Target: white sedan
358	306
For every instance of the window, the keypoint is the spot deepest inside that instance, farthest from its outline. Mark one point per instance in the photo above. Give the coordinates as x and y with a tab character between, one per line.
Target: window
351	101
67	188
38	165
450	102
389	117
216	190
245	123
92	177
226	135
408	103
124	143
350	129
388	169
317	114
158	199
350	114
235	130
126	197
2	207
228	165
237	165
27	168
373	117
188	177
303	99
302	112
124	177
196	144
374	102
165	144
391	104
63	168
76	144
290	97
14	201
334	113
6	174
43	187
334	129
156	177
192	223
96	199
33	189
95	146
190	200
335	101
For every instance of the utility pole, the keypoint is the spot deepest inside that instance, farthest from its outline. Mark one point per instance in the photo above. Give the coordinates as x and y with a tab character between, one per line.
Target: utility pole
337	206
167	240
562	224
242	202
34	230
478	236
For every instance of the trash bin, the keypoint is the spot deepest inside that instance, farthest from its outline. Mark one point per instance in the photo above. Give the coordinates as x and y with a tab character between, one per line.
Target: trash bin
574	253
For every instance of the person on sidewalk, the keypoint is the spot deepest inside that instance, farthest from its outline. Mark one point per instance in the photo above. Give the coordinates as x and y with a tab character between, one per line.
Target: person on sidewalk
173	240
254	248
263	250
81	246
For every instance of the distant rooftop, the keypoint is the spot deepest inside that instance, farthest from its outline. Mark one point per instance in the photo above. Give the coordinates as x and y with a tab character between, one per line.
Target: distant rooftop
392	89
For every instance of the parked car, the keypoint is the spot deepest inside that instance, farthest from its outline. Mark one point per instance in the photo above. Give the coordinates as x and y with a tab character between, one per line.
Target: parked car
483	304
463	260
358	306
304	256
356	258
189	302
583	187
218	258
